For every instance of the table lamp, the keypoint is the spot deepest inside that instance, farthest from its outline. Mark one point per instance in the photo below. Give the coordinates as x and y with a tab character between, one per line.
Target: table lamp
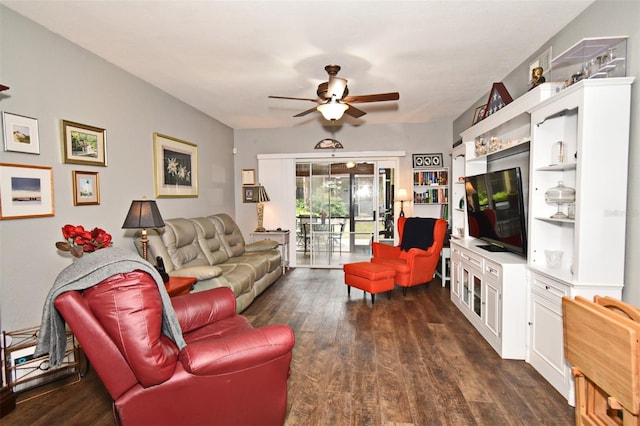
402	196
143	214
260	199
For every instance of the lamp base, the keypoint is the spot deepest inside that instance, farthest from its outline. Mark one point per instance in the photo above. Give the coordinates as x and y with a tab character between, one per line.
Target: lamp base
260	229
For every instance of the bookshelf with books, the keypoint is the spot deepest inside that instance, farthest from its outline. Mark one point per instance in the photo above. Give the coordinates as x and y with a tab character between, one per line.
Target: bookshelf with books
431	192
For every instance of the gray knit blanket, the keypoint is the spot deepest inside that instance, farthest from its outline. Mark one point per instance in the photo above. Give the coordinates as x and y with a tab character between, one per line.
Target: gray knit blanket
86	272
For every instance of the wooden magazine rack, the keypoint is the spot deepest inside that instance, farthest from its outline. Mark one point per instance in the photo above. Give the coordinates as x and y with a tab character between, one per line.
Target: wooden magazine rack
601	342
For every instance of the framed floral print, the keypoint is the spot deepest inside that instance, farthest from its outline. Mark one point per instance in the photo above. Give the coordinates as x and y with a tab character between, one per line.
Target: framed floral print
175	166
20	133
84	144
25	191
86	188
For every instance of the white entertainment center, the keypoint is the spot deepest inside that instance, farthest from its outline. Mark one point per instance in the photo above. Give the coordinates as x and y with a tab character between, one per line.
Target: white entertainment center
515	301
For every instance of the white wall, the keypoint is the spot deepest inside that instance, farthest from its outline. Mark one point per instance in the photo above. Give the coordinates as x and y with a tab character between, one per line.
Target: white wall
413	138
51	79
602	19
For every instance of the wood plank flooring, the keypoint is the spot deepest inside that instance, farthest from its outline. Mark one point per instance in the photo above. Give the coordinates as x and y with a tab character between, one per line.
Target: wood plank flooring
412	360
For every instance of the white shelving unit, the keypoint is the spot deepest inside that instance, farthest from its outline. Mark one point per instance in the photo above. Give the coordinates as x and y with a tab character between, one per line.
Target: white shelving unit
431	192
592	118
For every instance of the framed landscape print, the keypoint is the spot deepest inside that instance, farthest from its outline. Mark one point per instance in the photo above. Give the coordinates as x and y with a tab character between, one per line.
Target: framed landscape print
86	188
175	166
25	191
20	133
84	144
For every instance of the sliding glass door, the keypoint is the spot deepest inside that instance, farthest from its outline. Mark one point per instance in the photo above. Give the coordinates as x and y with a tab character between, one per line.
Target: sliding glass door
341	207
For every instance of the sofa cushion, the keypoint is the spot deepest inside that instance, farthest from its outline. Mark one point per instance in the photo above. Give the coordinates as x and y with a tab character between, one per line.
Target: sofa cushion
230	234
180	238
210	241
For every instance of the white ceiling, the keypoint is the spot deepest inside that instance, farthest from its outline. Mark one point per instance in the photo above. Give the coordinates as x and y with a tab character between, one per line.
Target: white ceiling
225	57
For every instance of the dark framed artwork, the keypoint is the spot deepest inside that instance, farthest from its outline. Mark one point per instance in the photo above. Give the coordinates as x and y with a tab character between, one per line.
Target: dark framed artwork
249	194
176	167
498	99
479	114
427	160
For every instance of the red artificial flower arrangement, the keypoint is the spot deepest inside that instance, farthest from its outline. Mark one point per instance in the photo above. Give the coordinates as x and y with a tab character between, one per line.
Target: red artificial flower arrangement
80	241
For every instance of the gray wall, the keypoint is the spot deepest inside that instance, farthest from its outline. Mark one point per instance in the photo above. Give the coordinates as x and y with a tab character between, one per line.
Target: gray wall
601	19
51	79
432	137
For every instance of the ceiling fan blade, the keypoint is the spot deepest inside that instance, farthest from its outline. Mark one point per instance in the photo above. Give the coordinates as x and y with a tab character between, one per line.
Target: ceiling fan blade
354	112
303	113
336	86
378	97
296	99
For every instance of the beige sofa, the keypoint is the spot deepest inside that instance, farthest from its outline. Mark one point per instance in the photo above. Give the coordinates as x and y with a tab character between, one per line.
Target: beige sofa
213	250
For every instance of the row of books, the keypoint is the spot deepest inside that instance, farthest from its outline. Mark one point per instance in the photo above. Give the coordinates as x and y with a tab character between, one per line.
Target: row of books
432	196
425	177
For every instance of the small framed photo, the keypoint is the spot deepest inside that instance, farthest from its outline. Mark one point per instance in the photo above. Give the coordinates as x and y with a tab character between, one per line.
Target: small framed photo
86	188
175	166
250	194
84	144
248	177
20	133
25	191
479	114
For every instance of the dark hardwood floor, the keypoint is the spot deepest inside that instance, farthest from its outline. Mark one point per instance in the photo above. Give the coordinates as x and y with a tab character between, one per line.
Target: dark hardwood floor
412	360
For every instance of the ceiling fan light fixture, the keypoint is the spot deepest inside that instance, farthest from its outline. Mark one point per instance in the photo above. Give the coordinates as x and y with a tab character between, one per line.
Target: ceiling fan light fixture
332	110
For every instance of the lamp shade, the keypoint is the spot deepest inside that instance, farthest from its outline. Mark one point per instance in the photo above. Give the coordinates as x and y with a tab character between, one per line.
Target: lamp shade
332	110
143	214
262	195
403	195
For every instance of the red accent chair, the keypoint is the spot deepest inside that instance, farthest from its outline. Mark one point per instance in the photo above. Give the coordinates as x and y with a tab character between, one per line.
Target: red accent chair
229	373
415	266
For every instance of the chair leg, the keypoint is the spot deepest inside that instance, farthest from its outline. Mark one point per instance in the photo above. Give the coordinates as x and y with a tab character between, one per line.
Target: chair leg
348	290
404	291
373	298
389	294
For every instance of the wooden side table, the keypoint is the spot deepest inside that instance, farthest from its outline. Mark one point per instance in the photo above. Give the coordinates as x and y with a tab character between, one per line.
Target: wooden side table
177	286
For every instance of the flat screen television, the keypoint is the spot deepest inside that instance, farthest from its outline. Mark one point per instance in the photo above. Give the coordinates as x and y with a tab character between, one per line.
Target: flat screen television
496	210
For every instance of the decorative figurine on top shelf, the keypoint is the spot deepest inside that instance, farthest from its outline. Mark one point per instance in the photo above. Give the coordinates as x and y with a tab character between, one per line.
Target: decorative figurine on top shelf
536	77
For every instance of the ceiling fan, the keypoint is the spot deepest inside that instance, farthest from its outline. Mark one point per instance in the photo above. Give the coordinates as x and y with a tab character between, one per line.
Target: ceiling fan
333	98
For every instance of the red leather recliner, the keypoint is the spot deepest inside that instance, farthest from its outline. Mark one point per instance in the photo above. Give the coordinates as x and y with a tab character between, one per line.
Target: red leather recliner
229	373
414	266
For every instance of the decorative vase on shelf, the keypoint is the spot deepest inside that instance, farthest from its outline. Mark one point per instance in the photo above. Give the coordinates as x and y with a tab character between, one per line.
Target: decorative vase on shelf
560	195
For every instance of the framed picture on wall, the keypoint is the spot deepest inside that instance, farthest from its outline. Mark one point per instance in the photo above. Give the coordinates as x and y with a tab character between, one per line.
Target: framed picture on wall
25	191
86	188
248	177
20	133
249	194
84	144
175	166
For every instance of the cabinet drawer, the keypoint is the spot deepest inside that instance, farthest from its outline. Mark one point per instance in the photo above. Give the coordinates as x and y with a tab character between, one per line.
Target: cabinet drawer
549	288
492	270
472	259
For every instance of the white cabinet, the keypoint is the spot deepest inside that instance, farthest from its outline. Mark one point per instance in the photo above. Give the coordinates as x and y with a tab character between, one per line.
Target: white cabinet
431	192
591	120
490	289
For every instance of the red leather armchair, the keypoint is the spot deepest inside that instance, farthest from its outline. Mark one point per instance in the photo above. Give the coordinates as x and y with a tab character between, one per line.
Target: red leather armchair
229	373
414	266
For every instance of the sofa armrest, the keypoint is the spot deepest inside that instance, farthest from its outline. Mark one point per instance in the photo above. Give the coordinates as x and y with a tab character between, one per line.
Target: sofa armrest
262	245
237	352
200	273
195	310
